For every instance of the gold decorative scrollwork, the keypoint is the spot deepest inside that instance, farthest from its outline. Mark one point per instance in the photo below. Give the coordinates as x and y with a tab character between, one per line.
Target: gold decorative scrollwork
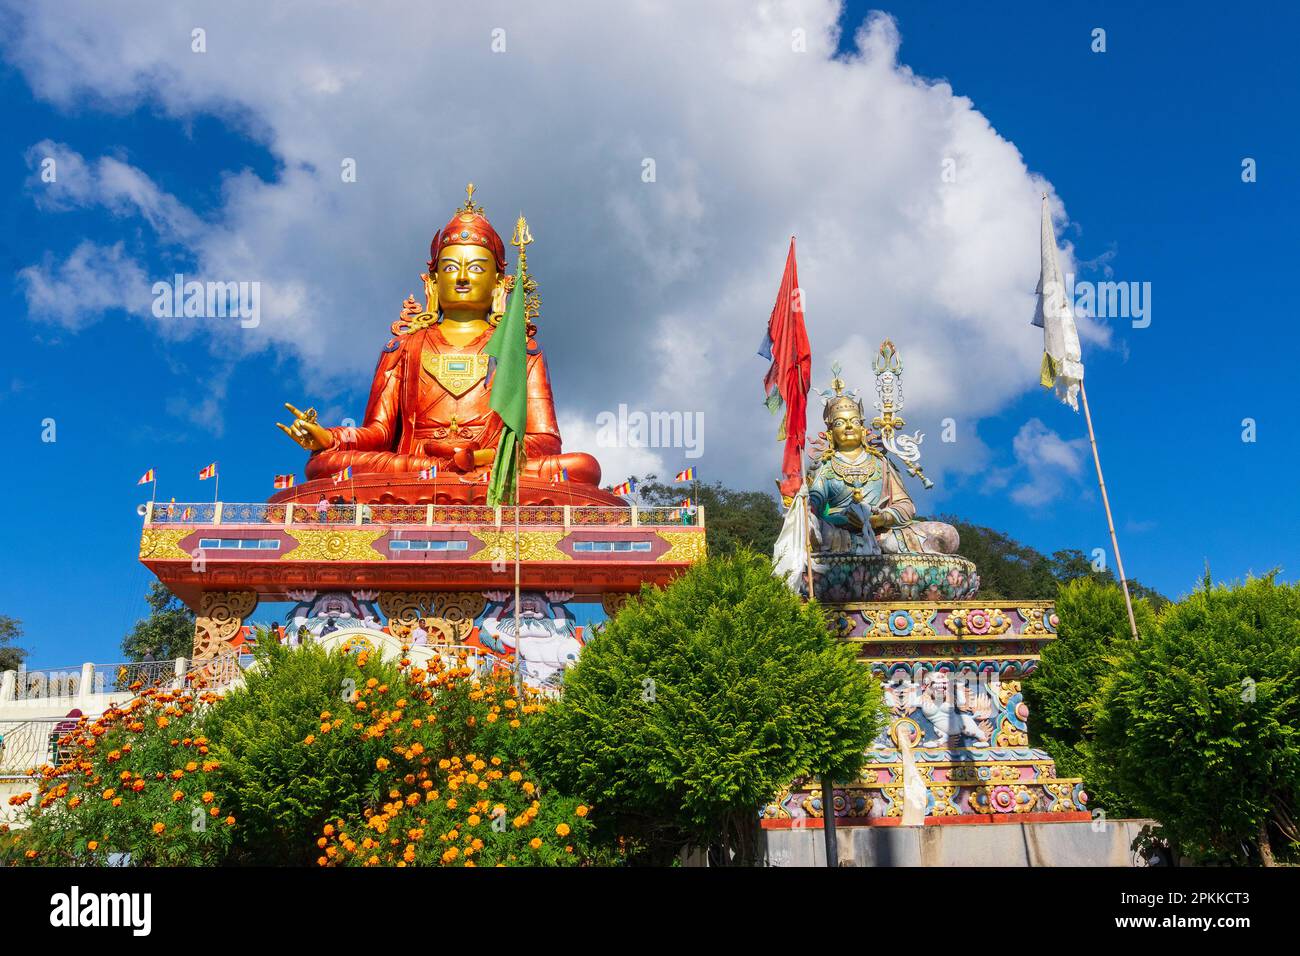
958	622
451	614
687	547
944	801
336	544
533	545
164	543
221	615
1033	618
1063	791
613	603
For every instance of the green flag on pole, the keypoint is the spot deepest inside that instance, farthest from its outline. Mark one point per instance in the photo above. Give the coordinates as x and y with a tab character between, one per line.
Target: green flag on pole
509	394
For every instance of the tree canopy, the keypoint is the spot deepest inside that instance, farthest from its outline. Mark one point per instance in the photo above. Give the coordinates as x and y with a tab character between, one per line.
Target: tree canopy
699	701
167	633
1198	724
11	655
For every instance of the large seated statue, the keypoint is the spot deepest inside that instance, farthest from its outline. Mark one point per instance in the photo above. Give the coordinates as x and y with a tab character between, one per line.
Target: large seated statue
428	405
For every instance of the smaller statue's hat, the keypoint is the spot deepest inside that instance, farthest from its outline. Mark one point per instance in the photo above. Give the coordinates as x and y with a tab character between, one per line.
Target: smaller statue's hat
837	397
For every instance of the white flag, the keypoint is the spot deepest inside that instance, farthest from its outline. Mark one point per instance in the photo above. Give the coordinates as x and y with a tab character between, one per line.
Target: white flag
1062	360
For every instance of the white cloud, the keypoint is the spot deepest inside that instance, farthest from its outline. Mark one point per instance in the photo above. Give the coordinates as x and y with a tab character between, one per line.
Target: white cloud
654	293
91	281
617	462
1047	464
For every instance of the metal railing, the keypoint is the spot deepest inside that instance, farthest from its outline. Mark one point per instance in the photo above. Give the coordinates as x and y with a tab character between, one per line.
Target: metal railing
29	743
304	515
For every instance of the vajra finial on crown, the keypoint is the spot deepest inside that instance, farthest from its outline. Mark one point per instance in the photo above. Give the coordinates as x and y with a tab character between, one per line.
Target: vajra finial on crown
470	207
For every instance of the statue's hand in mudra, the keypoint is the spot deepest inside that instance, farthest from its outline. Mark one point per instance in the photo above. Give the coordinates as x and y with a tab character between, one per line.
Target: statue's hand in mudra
306	431
880	518
467	459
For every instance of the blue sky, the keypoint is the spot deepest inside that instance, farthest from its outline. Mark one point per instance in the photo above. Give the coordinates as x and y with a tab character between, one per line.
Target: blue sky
1143	144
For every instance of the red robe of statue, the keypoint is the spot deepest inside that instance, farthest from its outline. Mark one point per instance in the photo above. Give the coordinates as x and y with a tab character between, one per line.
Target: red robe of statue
429	400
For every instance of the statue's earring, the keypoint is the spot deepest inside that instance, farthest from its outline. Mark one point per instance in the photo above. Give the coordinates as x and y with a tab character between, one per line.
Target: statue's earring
430	294
498	302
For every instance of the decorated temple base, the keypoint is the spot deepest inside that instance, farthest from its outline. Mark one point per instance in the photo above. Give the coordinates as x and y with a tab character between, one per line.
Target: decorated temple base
955	749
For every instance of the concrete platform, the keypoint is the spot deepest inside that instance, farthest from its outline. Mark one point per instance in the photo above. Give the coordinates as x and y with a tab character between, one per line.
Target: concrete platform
1018	845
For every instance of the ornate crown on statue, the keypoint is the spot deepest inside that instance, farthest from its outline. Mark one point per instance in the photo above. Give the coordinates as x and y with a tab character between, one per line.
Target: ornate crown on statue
837	397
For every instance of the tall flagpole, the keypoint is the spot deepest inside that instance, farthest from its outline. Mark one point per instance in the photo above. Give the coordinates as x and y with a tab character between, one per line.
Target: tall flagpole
216	485
1110	521
1063	369
519	650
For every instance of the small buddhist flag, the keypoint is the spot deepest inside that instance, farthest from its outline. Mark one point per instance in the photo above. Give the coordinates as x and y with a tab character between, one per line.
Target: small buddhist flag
562	476
686	503
284	481
187	514
146	477
208	472
344	475
428	474
626	488
687	475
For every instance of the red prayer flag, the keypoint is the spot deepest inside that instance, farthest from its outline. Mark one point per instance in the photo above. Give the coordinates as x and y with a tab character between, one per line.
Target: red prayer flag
790	375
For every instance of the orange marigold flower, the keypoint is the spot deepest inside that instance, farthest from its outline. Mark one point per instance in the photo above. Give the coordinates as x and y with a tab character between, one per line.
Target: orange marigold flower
208	796
581	810
177	796
159	827
117	801
474	819
230	821
381	763
562	829
535	843
310	738
92	845
108	794
191	767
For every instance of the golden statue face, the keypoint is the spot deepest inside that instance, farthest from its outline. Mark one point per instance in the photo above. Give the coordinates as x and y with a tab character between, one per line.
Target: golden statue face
847	430
466	277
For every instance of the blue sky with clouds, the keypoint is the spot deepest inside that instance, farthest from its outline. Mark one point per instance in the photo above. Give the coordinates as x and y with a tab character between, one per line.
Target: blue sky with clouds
225	165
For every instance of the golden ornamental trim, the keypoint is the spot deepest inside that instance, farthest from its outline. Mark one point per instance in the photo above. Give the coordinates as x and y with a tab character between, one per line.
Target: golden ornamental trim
977	603
533	545
163	544
687	547
336	544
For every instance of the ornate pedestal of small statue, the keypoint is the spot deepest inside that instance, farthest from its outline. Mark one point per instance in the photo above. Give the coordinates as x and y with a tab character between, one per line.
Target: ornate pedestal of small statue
956	744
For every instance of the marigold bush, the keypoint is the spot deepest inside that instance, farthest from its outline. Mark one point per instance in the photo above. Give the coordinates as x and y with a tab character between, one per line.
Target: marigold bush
455	791
320	758
139	785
